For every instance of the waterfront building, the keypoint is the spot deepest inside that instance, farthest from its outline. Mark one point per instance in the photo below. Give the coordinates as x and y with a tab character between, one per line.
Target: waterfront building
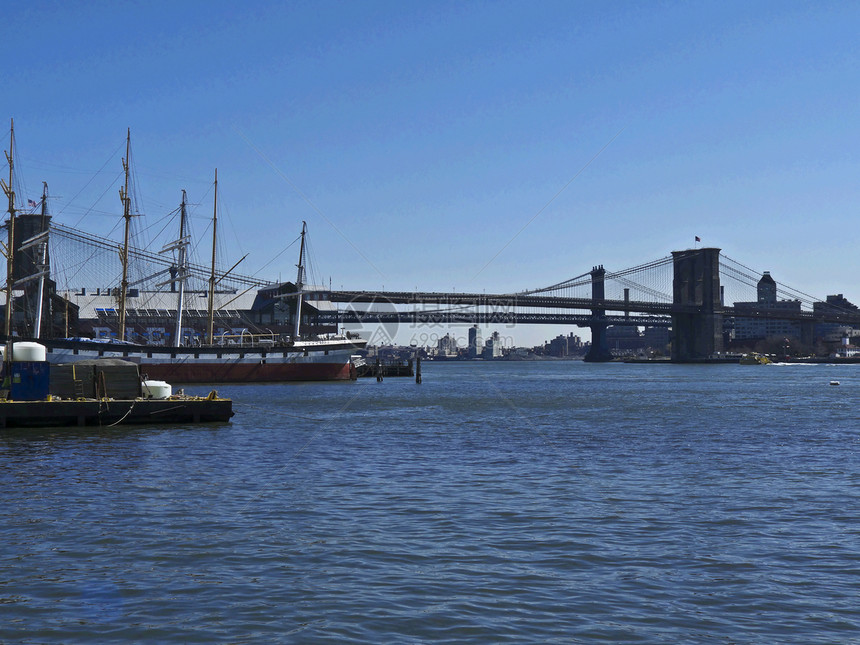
834	332
151	315
846	350
754	327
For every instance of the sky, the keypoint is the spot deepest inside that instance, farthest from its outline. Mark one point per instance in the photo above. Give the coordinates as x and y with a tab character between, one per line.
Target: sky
454	146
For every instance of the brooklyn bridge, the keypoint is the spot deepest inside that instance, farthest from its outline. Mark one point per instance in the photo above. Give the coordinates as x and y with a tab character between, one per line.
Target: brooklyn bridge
695	292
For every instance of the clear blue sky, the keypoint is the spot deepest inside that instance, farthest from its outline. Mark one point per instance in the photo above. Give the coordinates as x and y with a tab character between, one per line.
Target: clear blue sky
428	134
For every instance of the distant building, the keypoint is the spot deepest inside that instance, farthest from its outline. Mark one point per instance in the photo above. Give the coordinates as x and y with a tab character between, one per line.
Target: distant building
493	347
834	332
766	289
624	338
447	346
562	346
656	337
755	327
558	346
846	350
475	345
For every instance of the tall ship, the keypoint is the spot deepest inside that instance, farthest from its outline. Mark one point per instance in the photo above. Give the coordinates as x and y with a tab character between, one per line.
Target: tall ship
179	320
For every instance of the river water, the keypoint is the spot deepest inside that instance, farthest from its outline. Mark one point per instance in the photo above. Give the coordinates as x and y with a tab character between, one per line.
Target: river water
494	503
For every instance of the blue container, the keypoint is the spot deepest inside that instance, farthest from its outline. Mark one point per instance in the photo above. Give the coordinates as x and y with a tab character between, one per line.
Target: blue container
29	381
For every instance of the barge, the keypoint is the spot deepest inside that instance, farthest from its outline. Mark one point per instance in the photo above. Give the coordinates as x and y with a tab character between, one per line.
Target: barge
102	392
111	412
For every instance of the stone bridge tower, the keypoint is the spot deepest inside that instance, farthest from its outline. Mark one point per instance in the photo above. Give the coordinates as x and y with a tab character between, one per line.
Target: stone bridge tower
697	326
599	350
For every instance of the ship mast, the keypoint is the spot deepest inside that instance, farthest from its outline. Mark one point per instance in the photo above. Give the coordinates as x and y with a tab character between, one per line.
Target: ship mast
126	213
182	272
209	336
299	282
42	265
10	249
39	242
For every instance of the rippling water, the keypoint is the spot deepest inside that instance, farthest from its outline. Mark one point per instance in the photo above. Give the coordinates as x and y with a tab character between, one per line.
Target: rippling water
504	502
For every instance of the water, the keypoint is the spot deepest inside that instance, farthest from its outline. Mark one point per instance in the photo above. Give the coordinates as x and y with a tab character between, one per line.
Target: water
507	502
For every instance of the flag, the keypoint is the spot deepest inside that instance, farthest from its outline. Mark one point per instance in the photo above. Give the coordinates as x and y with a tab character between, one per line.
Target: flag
698	239
30	202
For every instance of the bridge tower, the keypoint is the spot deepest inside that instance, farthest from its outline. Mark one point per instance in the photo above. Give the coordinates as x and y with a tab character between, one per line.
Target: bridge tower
599	350
697	325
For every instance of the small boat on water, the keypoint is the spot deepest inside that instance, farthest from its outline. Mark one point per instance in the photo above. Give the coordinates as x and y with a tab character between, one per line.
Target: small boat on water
754	358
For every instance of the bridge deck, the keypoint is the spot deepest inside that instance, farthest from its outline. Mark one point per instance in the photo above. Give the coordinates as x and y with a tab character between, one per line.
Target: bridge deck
512	303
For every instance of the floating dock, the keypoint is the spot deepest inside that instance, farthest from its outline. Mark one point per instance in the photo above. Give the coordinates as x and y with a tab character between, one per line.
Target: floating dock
386	368
108	412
